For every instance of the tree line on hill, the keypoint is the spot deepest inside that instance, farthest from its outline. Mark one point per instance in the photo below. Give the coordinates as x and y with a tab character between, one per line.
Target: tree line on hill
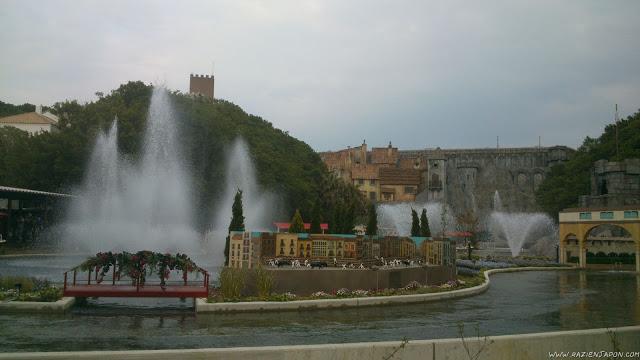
568	180
286	166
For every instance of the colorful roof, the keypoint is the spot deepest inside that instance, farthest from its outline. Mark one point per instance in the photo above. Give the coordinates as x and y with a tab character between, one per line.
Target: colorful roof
307	226
28	118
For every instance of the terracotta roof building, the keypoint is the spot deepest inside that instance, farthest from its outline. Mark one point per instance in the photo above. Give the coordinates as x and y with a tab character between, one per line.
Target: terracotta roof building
32	122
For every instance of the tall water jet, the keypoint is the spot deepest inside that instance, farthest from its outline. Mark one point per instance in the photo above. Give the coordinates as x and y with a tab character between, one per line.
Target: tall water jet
395	219
516	229
125	207
259	207
497	202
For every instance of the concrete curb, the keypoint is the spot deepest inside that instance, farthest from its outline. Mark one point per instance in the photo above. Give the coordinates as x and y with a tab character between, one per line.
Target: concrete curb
56	307
202	306
502	347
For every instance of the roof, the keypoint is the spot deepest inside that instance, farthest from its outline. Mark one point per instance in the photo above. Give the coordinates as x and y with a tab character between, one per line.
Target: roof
307	226
28	118
5	190
395	176
609	208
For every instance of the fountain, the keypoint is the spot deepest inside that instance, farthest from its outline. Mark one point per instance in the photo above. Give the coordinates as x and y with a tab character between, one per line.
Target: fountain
519	228
123	206
259	206
395	219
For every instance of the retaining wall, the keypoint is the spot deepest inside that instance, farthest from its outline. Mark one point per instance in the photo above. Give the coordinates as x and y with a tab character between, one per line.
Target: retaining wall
54	307
307	281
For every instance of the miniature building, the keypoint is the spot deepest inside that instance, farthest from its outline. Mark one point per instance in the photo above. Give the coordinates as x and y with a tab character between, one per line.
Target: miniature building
248	249
201	85
32	122
439	252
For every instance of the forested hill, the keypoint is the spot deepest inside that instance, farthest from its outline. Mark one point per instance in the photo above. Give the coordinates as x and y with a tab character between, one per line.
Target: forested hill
567	181
56	161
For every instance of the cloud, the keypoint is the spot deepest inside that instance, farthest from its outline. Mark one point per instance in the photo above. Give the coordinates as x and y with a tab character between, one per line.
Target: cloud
420	74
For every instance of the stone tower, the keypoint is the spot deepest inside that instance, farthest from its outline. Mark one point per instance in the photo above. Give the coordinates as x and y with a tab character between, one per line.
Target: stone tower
201	85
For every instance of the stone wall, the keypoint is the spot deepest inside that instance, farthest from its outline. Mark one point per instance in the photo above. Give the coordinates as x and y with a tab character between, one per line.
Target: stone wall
469	178
613	184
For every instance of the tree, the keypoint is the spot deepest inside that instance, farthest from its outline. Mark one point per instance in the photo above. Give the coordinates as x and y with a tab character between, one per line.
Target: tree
372	223
297	225
424	224
237	216
468	222
315	221
415	223
237	221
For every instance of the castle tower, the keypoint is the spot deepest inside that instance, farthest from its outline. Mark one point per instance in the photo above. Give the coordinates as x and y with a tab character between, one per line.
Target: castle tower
201	85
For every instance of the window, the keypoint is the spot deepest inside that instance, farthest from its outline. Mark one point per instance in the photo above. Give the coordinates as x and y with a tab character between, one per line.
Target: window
585	216
631	214
409	190
372	182
360	181
372	195
606	215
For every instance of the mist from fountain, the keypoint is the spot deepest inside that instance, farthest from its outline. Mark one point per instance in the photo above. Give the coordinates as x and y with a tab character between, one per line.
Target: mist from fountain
520	228
395	219
121	206
259	207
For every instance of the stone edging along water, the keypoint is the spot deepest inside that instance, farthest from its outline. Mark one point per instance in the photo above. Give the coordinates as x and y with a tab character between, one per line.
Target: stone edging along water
618	343
53	307
202	306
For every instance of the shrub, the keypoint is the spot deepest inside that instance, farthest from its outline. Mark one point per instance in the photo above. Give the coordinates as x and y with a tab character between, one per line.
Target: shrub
264	282
9	282
50	294
344	292
231	282
320	295
360	293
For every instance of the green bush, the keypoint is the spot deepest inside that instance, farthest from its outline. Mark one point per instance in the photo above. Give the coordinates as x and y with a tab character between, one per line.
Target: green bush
232	282
9	283
264	282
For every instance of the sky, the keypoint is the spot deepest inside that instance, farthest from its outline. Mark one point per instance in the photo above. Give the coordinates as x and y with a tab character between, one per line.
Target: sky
421	74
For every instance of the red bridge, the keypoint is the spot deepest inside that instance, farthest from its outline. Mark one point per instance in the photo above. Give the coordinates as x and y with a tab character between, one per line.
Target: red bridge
75	284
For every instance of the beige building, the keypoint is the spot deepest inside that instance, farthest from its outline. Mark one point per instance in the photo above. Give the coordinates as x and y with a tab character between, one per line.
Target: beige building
32	122
439	252
579	235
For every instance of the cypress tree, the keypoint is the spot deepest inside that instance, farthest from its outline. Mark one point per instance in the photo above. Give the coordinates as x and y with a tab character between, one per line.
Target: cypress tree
372	224
415	223
297	225
237	222
424	224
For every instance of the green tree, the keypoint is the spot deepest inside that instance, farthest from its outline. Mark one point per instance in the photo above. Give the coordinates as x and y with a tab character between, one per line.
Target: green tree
315	221
415	223
372	223
424	224
297	225
237	221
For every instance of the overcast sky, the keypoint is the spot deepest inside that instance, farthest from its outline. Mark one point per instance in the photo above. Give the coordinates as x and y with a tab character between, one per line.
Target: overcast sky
332	73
